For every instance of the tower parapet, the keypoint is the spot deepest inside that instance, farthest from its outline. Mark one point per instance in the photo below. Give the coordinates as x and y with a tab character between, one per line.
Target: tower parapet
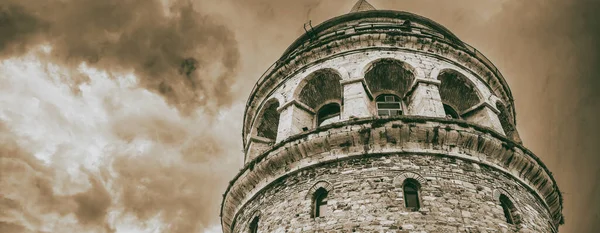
370	105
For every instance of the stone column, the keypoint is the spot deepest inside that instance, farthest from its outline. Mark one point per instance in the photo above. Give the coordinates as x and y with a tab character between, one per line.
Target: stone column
294	118
424	99
484	114
357	99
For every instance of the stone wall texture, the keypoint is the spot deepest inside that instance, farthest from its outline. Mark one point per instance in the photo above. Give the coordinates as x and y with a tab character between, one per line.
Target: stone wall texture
366	196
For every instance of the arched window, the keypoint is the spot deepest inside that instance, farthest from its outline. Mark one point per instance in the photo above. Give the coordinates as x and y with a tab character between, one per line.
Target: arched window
329	113
254	225
320	203
389	76
269	121
388	105
457	91
508	208
450	112
411	194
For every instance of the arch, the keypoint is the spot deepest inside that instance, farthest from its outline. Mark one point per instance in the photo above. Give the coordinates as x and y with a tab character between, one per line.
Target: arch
328	113
457	91
511	213
409	175
450	111
320	184
268	120
253	226
319	87
411	190
506	122
319	203
318	195
509	209
389	76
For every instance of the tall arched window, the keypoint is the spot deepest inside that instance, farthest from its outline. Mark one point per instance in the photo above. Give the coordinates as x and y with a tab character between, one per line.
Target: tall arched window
458	93
269	120
320	203
450	112
329	113
411	194
508	208
254	225
388	105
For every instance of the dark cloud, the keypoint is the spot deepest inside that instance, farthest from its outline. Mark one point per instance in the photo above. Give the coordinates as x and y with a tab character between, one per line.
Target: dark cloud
144	36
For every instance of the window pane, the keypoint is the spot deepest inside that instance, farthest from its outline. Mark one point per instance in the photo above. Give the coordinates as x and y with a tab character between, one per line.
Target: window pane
395	112
383	112
388	105
389	99
411	200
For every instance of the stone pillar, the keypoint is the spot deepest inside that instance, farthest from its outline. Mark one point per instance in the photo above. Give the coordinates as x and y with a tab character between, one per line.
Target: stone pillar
294	117
357	100
424	99
256	146
484	114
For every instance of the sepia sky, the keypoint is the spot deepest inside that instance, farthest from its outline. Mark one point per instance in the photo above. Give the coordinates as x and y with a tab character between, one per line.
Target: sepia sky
125	115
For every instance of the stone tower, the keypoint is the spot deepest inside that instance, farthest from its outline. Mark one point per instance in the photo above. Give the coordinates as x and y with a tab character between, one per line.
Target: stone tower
385	121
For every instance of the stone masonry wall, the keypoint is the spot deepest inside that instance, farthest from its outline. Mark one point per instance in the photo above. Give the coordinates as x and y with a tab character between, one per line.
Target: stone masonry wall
458	196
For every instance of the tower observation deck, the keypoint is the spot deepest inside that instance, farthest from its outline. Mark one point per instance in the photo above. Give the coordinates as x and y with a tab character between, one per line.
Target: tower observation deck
385	121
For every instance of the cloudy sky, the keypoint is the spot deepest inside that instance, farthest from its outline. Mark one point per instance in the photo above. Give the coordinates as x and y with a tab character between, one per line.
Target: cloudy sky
125	115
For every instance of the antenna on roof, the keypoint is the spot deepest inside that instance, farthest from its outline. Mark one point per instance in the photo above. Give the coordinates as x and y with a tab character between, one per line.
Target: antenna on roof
362	5
309	31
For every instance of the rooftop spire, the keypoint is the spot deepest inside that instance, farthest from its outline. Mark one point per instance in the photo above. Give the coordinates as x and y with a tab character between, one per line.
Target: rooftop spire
362	5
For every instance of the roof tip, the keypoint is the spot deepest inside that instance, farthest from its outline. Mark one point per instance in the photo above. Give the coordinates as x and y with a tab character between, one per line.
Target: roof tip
362	5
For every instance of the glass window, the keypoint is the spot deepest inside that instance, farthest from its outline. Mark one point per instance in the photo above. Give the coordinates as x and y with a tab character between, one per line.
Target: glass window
411	196
388	105
508	209
254	225
320	203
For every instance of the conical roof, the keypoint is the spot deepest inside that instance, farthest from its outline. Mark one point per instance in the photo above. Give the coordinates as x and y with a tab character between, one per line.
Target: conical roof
362	5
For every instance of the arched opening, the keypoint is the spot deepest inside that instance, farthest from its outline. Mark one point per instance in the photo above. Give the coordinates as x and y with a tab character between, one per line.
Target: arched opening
319	205
509	209
320	87
389	76
322	92
388	105
457	92
269	121
411	194
327	114
253	228
450	112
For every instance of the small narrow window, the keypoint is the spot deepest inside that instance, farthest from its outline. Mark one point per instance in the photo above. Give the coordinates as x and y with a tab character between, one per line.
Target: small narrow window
411	195
508	208
320	203
450	112
388	105
254	225
329	113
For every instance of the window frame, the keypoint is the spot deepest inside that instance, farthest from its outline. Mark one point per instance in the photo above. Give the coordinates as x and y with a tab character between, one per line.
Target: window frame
319	200
383	99
416	192
253	226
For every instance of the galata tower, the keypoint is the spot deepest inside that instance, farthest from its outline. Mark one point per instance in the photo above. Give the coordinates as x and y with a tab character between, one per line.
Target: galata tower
385	121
